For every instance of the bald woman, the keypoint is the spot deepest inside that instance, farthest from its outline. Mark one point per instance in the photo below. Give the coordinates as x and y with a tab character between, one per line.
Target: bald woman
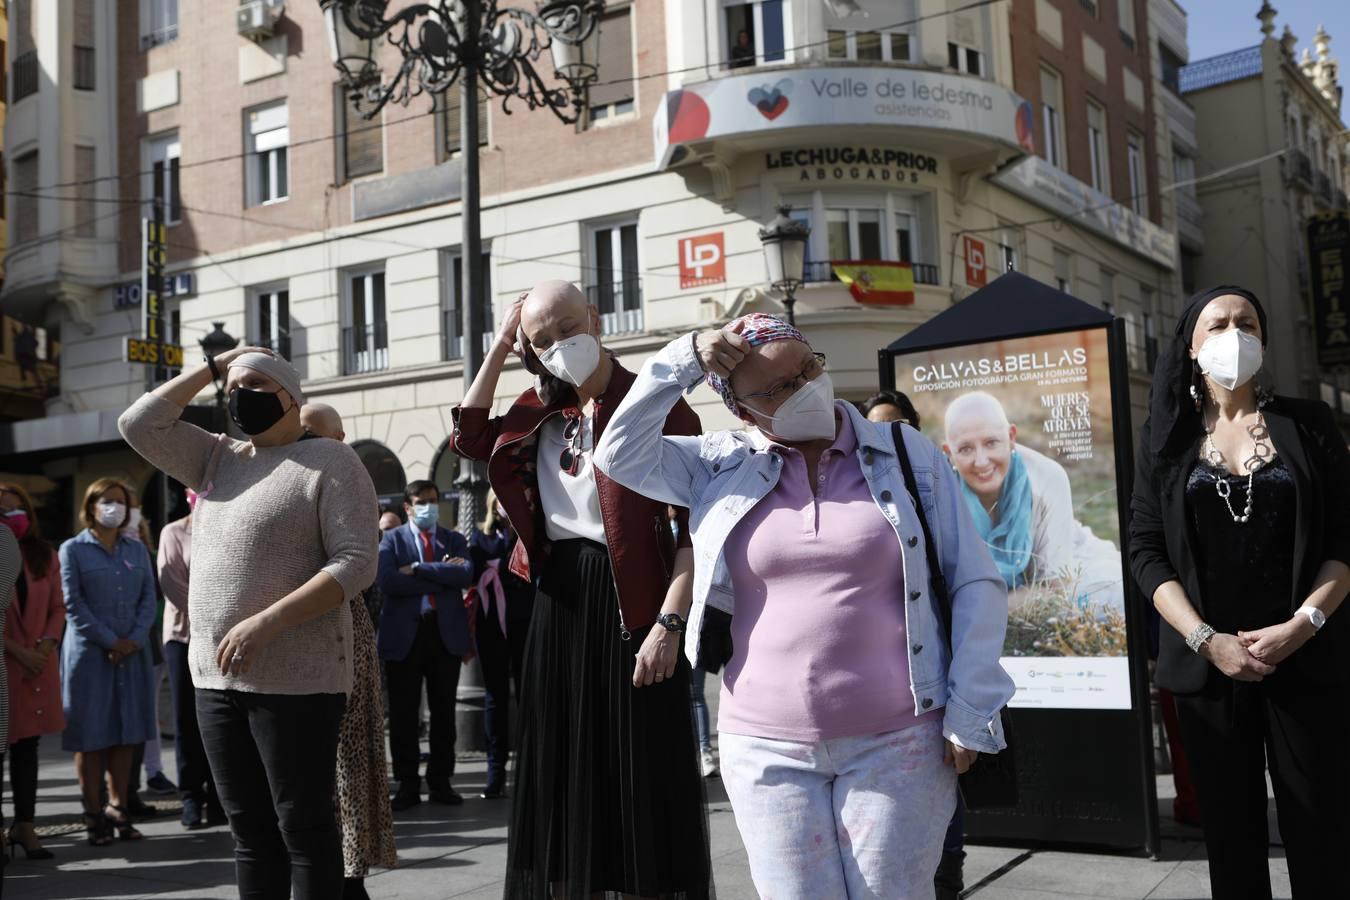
607	796
1023	506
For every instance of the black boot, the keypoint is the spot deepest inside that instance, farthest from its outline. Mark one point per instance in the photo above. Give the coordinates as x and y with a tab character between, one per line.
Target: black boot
950	878
354	889
408	795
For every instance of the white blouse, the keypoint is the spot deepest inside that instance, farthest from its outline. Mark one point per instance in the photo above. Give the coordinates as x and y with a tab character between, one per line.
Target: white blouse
571	502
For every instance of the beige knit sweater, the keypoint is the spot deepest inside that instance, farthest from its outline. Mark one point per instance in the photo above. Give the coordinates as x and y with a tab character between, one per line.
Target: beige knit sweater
267	520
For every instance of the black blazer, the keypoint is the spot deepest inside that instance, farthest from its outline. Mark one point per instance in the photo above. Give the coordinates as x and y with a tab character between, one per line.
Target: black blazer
1304	433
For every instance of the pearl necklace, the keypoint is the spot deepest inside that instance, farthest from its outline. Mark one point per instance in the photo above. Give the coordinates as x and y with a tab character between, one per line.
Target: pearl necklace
1261	454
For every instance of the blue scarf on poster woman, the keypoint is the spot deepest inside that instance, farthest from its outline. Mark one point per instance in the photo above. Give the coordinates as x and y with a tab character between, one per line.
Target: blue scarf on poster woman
1009	540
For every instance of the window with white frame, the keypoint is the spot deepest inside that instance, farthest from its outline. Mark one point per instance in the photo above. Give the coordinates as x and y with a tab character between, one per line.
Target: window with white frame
1064	271
614	95
159	22
964	58
268	137
1125	10
1009	259
162	155
877	46
891	227
23	207
1052	119
271	320
615	282
755	32
1097	144
1134	149
452	309
366	339
1108	289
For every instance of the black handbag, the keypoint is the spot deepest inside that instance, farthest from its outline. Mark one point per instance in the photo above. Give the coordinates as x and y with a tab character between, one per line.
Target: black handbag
991	783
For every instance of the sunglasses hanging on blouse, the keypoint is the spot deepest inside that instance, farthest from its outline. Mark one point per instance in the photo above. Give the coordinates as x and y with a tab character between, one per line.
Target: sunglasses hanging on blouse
570	458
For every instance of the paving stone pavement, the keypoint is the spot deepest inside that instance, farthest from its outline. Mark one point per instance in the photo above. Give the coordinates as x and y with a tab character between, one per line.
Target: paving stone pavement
460	852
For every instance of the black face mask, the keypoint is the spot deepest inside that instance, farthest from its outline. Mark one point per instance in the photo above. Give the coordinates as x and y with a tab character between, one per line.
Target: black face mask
255	411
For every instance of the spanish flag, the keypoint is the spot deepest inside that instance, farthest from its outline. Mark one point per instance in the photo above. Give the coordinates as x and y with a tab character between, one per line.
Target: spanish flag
877	283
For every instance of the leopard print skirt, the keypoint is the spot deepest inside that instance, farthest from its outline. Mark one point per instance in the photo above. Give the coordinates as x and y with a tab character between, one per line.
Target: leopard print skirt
362	768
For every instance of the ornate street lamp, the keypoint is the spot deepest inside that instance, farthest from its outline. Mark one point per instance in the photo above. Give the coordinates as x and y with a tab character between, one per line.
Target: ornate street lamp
216	342
784	242
469	42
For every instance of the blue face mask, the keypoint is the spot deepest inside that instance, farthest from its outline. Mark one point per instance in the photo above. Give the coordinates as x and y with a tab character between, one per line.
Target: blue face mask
426	515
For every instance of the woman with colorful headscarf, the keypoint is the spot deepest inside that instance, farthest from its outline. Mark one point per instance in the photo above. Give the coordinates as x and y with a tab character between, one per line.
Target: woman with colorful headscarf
1240	538
1022	504
843	782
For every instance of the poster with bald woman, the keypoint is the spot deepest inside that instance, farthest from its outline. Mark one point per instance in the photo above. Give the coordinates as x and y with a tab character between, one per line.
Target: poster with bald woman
1027	426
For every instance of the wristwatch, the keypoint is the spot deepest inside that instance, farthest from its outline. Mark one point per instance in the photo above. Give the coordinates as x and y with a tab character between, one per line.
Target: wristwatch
211	364
671	622
416	563
1315	616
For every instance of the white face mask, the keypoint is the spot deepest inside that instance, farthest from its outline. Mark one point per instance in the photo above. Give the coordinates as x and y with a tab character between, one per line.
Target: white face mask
110	515
1231	359
572	360
807	415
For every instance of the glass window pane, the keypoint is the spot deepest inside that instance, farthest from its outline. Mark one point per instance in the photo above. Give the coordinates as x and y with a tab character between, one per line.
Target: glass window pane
869	234
972	61
282	188
772	42
836	230
837	44
904	244
869	45
900	47
741	35
953	56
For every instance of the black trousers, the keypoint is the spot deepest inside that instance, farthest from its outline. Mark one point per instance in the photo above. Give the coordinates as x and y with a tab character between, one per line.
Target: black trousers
274	758
1232	732
194	772
503	660
428	661
23	778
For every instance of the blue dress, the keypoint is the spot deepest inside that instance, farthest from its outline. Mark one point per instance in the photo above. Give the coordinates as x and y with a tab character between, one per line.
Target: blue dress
108	596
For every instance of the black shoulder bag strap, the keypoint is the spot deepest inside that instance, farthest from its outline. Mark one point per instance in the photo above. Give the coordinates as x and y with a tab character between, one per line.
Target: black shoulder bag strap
992	782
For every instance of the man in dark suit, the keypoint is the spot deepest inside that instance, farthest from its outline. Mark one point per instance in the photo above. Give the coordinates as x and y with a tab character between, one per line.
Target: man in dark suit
423	635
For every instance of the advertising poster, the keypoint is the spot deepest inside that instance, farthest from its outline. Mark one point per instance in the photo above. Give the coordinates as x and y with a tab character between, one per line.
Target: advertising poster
1027	426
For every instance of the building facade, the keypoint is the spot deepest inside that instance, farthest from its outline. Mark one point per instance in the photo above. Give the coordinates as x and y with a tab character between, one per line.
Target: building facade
1262	183
927	132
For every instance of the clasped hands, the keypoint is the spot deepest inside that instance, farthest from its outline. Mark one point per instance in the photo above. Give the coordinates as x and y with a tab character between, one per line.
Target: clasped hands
1253	655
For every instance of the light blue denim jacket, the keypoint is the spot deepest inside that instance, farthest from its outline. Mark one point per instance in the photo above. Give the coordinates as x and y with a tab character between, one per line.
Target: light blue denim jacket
720	477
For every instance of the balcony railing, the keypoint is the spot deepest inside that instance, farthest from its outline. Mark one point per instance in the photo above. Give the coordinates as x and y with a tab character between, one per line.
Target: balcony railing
365	349
25	75
1300	167
818	272
1323	186
159	36
452	339
620	305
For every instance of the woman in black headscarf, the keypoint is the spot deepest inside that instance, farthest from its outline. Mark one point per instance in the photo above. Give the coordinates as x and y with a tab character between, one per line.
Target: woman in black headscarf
1240	536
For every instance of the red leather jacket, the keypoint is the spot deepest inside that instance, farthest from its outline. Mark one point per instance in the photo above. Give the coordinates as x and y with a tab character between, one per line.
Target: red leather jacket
641	547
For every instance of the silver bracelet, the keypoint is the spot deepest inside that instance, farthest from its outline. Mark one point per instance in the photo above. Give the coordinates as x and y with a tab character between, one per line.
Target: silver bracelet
1197	638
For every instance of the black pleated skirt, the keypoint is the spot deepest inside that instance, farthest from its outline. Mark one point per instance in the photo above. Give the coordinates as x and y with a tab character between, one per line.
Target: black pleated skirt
608	797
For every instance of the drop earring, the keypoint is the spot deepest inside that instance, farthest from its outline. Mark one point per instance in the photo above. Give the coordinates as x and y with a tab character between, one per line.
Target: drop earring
1195	398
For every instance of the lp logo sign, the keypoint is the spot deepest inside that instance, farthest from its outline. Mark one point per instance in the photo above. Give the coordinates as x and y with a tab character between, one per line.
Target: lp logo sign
977	273
703	260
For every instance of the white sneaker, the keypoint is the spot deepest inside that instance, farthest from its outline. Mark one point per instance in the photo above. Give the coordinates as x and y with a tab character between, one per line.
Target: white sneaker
709	764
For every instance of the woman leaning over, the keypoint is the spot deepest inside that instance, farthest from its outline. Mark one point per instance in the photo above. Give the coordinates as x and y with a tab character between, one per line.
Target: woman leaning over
106	668
607	798
282	540
34	624
844	718
1240	537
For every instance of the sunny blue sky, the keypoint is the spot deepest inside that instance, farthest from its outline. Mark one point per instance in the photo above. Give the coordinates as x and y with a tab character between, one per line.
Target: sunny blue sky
1217	26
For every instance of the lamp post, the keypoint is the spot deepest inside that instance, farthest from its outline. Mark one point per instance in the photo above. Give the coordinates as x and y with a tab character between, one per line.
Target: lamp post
474	42
216	342
784	241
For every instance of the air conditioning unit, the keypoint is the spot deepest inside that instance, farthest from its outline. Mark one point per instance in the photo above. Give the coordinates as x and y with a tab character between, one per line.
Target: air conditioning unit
256	19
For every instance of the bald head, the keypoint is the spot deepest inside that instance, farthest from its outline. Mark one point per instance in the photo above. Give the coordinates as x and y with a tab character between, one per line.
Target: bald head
976	407
323	420
554	310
